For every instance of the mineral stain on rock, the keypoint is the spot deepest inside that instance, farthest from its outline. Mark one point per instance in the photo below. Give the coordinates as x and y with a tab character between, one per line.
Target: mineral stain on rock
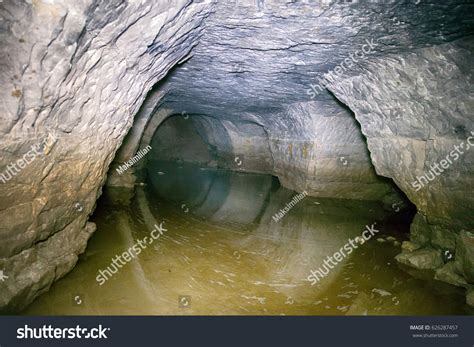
16	93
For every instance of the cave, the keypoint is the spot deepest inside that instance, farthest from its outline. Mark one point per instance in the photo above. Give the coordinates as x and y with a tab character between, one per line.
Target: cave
245	157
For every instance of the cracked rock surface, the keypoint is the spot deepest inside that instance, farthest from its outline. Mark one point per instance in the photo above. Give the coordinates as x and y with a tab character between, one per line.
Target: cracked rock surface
75	71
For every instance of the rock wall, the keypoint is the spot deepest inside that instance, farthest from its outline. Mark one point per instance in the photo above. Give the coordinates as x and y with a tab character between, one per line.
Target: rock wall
257	62
301	145
322	151
410	92
416	111
73	76
177	140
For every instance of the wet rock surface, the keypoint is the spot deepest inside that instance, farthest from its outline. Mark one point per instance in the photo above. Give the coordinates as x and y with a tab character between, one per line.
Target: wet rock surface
75	72
74	75
465	254
260	62
423	259
470	297
449	273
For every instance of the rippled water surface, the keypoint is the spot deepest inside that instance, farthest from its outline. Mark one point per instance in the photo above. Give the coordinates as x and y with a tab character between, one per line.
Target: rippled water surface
222	253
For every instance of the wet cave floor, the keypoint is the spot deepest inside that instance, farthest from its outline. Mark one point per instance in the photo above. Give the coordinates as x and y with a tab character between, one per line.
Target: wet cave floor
224	254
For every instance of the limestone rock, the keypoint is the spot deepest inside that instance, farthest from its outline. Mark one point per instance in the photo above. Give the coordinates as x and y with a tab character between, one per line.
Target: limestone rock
420	231
448	273
410	246
423	259
73	74
465	254
444	239
470	297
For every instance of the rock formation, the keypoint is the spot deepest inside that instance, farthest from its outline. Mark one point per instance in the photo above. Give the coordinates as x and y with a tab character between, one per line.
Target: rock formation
339	100
73	73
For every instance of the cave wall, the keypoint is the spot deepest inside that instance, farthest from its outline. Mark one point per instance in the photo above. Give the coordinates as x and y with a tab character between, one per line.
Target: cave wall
67	68
411	95
416	110
249	149
304	149
261	59
322	151
177	140
132	142
75	74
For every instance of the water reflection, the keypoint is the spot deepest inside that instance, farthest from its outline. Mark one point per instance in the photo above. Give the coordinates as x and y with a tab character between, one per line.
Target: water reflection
223	253
217	195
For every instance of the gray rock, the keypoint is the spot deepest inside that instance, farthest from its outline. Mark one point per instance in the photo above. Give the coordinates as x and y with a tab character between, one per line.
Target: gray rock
443	239
448	273
420	231
76	75
423	259
465	254
73	74
33	271
470	297
410	246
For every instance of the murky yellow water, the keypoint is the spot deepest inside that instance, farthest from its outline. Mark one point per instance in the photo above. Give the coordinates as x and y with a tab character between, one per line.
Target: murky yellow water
221	254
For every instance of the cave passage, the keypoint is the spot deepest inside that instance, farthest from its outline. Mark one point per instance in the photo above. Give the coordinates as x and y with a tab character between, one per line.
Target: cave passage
237	242
218	157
